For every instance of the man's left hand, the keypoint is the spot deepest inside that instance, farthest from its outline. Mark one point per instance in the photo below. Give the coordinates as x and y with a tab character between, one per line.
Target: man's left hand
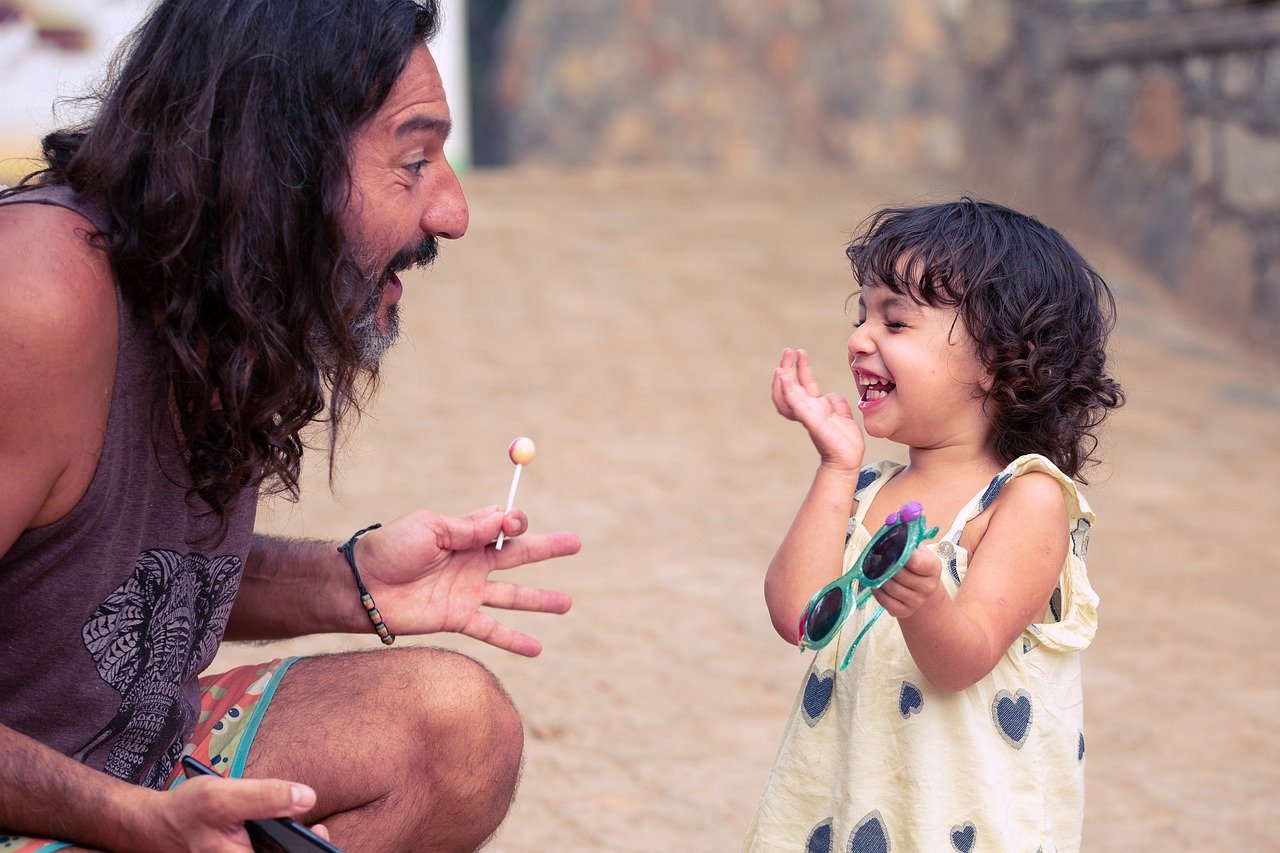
429	572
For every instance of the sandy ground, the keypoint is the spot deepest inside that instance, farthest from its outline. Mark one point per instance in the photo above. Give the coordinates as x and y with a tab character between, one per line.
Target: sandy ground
629	322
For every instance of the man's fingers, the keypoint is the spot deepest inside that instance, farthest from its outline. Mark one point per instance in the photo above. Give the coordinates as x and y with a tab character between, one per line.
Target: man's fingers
486	629
477	528
510	596
258	799
534	549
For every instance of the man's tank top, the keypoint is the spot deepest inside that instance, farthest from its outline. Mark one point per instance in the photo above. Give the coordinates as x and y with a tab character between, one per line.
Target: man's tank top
108	615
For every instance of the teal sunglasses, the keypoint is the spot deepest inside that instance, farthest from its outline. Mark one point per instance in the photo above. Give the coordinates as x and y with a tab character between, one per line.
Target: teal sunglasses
884	556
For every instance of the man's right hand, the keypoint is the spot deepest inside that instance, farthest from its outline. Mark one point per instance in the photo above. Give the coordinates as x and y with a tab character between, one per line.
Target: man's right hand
207	814
44	794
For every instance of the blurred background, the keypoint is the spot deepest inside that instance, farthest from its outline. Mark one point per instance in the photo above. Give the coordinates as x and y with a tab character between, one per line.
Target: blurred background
660	195
1155	122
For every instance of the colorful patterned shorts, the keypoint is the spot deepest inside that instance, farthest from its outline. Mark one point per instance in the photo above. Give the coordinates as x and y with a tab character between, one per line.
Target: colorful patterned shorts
232	705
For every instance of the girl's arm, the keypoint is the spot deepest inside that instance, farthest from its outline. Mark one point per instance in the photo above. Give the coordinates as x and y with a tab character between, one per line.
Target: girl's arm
810	553
1012	573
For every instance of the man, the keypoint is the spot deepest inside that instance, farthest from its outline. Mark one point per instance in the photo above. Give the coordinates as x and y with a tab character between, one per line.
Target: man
202	270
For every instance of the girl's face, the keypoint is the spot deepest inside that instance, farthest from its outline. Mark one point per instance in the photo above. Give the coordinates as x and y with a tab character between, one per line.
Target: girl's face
920	382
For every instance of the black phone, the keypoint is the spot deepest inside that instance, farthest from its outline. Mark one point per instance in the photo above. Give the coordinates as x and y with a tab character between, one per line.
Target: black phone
273	835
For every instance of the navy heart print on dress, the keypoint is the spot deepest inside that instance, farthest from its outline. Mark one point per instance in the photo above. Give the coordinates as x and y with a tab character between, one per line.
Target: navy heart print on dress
1080	748
820	839
817	695
869	836
910	700
866	477
963	836
1012	716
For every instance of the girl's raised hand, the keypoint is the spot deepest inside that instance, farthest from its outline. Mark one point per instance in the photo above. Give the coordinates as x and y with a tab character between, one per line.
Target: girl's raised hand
827	417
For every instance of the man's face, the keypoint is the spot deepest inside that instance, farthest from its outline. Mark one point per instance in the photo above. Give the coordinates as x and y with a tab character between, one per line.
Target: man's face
404	196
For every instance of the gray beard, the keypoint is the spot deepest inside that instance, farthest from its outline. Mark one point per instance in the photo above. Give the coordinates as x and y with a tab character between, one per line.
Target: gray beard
370	341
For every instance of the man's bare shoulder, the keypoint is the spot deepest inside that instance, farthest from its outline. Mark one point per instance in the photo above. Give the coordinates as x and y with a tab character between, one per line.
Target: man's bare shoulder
56	286
58	332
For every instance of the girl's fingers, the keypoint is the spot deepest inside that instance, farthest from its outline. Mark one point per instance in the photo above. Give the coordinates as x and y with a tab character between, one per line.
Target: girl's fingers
776	392
891	603
804	374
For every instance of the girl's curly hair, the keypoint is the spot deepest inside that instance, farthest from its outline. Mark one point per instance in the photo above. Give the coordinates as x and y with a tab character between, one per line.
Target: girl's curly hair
220	154
1038	312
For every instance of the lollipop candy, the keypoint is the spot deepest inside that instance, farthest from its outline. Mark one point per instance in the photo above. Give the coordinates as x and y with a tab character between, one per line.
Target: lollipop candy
521	451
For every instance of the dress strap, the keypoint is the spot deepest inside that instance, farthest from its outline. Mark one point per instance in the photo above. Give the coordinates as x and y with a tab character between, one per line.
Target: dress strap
1074	606
870	479
979	502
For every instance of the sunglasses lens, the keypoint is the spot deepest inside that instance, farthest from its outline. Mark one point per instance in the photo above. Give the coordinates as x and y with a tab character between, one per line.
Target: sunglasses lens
886	552
825	613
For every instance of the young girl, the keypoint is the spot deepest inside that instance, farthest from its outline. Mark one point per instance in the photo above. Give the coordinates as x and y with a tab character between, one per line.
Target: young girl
957	725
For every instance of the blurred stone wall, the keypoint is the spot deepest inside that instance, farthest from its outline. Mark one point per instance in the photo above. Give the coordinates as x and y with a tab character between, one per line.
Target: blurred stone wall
737	84
1154	123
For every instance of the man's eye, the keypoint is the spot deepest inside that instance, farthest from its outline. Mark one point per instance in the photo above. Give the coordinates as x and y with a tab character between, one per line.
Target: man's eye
416	168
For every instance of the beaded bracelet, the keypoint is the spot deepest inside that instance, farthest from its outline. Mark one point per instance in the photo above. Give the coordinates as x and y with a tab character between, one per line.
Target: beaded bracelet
349	551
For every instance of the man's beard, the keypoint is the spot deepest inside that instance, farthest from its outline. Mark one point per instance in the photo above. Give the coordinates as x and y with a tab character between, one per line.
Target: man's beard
371	335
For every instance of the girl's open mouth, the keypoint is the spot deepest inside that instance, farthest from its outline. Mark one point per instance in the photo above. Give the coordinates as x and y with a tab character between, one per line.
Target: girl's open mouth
872	389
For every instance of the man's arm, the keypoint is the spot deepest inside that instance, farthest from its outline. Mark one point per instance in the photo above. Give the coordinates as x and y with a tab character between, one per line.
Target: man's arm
427	573
58	336
292	587
58	333
47	795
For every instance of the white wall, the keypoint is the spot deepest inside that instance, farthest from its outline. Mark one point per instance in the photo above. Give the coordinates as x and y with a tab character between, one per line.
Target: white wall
33	76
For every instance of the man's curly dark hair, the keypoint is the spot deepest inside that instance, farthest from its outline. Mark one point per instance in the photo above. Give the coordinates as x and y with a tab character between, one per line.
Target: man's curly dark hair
1039	314
219	152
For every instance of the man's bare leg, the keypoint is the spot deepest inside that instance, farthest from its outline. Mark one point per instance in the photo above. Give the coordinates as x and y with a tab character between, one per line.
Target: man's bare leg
408	749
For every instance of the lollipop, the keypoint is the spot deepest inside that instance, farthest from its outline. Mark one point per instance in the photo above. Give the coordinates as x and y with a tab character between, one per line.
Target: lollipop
521	452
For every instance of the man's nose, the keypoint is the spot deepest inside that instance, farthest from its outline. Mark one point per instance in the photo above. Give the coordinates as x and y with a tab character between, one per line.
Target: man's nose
447	215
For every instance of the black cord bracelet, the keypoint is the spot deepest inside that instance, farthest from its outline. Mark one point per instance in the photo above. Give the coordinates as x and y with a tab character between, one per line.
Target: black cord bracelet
349	551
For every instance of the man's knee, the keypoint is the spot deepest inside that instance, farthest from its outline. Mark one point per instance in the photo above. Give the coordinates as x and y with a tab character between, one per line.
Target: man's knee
464	699
469	728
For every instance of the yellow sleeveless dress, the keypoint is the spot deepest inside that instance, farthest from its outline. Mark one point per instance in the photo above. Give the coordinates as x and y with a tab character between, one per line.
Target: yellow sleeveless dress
873	759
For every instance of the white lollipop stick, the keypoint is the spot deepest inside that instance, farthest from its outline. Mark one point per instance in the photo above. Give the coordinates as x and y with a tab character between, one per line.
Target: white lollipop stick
511	499
521	452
